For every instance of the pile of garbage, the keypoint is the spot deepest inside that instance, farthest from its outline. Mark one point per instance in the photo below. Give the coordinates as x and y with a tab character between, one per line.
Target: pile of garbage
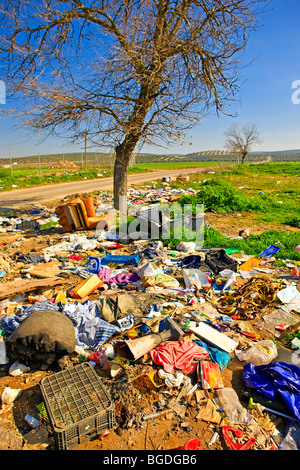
65	164
183	315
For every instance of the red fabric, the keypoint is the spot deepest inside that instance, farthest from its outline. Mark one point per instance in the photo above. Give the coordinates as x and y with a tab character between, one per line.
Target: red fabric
178	355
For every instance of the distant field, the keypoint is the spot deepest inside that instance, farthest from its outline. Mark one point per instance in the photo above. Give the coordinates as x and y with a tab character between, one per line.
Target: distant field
175	165
263	197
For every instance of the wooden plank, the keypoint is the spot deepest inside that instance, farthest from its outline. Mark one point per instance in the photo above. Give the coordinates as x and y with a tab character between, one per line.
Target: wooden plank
11	288
214	337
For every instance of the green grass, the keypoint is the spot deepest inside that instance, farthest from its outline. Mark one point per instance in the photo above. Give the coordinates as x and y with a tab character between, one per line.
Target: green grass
31	178
254	245
266	193
293	221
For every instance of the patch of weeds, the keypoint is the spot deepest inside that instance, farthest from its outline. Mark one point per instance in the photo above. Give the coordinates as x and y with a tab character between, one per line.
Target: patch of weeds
286	241
253	245
221	196
293	221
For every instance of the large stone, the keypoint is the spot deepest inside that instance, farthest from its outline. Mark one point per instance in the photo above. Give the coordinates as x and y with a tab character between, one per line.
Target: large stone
43	335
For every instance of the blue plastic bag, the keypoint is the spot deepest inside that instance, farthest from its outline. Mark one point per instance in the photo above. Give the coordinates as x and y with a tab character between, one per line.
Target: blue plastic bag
275	379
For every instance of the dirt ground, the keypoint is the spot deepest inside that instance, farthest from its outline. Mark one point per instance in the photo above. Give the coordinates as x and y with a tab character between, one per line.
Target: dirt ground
133	394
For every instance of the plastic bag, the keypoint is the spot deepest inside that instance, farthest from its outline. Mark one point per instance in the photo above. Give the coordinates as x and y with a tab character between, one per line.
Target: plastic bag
291	440
275	379
186	246
18	369
261	353
3	357
195	277
9	395
229	402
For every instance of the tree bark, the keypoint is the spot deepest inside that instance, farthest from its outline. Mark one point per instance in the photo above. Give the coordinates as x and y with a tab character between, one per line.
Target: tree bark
120	182
244	155
124	153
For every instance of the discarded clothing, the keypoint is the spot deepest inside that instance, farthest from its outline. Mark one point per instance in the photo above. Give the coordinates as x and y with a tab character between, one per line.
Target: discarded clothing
29	258
105	274
189	262
119	306
90	328
276	378
124	278
178	355
222	358
152	251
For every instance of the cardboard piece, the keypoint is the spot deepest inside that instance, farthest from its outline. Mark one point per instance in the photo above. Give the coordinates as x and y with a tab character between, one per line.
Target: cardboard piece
212	336
209	412
46	270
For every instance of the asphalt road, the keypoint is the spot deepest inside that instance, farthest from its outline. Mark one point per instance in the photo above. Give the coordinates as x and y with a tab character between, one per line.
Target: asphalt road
19	198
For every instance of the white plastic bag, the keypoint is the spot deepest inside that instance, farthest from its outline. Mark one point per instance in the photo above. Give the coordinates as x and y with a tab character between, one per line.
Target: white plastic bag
229	402
149	269
186	246
9	395
18	369
261	353
195	277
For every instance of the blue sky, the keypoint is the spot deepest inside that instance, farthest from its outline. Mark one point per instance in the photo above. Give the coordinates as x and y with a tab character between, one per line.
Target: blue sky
270	66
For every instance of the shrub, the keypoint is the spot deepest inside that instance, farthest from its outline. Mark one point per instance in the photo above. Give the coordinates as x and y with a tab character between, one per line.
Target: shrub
221	196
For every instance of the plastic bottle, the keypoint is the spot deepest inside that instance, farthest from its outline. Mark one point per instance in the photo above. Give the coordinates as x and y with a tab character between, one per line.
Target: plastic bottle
261	353
32	421
200	279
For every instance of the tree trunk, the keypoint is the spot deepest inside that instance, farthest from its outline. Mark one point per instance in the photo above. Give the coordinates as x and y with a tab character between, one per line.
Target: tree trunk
244	155
120	182
124	153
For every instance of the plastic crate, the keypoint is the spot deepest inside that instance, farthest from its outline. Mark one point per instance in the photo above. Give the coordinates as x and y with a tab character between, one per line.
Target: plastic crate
219	261
120	259
77	404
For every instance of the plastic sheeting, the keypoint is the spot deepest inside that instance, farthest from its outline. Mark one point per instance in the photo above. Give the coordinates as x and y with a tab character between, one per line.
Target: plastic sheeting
277	379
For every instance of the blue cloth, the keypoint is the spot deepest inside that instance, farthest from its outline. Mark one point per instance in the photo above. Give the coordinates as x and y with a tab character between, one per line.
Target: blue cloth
9	323
90	328
275	379
222	358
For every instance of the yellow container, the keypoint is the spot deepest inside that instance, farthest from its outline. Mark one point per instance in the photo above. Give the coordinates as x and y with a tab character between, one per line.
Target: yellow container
86	287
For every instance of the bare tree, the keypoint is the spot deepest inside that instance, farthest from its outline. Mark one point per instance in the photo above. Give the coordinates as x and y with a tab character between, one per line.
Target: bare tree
241	141
127	72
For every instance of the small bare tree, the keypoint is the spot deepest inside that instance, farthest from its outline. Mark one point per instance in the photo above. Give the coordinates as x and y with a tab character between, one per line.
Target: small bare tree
127	72
241	141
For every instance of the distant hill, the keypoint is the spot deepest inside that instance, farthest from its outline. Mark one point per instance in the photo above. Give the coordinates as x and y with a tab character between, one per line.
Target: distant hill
221	156
97	158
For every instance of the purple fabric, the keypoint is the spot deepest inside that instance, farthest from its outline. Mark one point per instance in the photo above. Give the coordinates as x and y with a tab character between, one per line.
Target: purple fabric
124	277
105	274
